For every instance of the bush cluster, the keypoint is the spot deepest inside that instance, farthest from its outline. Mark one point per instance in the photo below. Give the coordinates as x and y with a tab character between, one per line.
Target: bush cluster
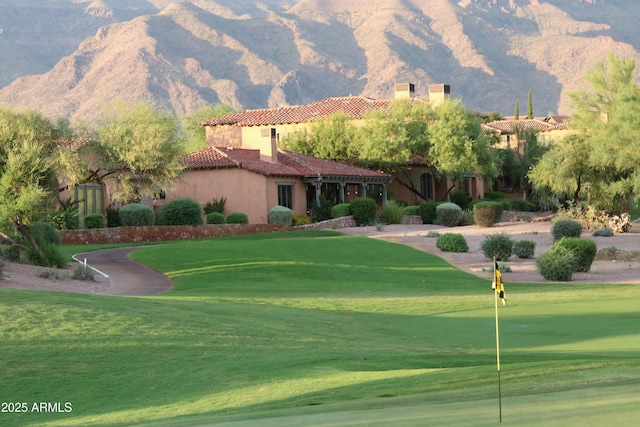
181	212
392	213
302	219
280	215
237	218
524	248
497	245
487	214
363	210
452	242
565	228
95	220
340	210
427	211
136	214
216	218
558	264
584	251
448	214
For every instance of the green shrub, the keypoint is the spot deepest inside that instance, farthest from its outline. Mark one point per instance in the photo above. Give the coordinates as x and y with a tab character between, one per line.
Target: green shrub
602	232
460	198
584	250
302	219
392	213
466	218
11	253
181	212
95	220
411	210
402	203
45	232
452	242
340	210
50	257
84	273
215	218
363	210
520	205
215	205
487	213
136	214
494	195
497	245
557	264
1	268
565	228
448	214
237	218
506	204
65	218
280	215
524	248
113	217
321	211
427	210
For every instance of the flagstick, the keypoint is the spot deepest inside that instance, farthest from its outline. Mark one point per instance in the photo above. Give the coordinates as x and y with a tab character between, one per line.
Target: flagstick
497	341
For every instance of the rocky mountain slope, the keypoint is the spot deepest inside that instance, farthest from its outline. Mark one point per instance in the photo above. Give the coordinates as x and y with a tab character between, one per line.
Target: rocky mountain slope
67	57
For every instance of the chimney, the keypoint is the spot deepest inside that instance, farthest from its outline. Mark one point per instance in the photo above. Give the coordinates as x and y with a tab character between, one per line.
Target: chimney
405	91
438	94
268	147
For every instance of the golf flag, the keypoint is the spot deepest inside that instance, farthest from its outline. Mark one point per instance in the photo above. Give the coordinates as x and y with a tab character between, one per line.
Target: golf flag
498	286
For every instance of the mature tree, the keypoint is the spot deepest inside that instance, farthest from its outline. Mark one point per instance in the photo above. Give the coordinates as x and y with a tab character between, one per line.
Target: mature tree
607	120
28	162
195	135
458	147
135	147
333	137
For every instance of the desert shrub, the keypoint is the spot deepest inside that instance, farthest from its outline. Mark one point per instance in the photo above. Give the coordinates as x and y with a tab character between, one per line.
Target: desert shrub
584	250
49	273
402	203
524	248
427	210
460	198
50	256
411	210
497	245
215	205
520	205
487	213
466	218
181	212
113	216
565	228
84	273
363	210
215	218
602	232
452	242
620	224
392	213
340	210
136	214
494	195
558	263
10	253
95	220
321	211
237	218
65	218
506	204
588	216
301	219
448	214
432	233
45	232
280	215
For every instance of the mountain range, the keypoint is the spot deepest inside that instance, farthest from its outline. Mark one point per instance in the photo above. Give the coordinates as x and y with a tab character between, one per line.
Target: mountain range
66	58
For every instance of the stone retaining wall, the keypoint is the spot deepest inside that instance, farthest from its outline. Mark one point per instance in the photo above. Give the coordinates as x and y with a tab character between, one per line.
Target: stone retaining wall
162	233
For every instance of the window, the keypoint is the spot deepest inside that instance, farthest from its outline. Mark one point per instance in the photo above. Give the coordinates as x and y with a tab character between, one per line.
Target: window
285	194
89	199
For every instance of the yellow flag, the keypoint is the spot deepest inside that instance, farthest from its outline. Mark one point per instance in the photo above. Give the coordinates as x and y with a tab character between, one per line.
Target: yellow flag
498	286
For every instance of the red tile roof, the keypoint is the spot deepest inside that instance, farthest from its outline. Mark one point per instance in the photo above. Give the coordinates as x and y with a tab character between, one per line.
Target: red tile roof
354	106
537	125
289	164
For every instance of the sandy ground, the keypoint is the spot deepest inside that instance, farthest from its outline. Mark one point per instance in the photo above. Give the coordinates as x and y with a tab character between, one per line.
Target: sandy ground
28	277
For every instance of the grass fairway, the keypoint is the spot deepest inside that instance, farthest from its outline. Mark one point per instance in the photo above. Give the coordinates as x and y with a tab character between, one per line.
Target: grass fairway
320	329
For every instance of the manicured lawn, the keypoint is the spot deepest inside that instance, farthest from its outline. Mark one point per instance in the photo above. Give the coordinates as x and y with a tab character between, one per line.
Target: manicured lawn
319	329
